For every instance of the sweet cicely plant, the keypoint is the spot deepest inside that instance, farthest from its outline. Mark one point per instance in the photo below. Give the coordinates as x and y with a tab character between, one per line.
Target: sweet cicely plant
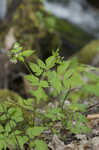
53	83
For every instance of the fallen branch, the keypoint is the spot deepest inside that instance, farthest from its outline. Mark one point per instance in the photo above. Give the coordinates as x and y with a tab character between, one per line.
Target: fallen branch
93	116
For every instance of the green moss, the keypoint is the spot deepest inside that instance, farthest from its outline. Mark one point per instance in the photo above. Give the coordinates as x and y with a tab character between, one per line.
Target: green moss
88	53
11	99
7	96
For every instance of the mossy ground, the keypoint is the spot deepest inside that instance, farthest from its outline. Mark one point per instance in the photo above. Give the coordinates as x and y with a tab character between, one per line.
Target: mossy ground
88	53
10	99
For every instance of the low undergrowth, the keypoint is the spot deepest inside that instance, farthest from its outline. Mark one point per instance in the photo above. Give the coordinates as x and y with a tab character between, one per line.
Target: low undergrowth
57	86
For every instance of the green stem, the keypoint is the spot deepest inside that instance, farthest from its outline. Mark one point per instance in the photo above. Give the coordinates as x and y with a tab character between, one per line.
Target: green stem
63	101
35	105
27	67
34	112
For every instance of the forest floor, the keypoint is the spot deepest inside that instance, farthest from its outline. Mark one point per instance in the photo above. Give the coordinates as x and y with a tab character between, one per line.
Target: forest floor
79	141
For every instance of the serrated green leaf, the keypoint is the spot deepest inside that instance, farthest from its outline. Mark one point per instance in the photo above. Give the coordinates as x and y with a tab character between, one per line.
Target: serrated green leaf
20	58
2	137
17	132
16	45
29	77
50	62
54	114
31	144
3	117
7	127
39	94
34	131
85	129
39	72
35	68
40	145
1	108
16	51
43	84
77	107
68	74
55	80
11	140
29	102
22	140
41	63
62	68
34	80
91	76
91	89
27	53
3	145
74	81
81	118
11	111
75	96
18	115
11	124
1	128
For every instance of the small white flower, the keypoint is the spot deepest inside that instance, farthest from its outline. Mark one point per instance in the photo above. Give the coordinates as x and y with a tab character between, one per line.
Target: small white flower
13	61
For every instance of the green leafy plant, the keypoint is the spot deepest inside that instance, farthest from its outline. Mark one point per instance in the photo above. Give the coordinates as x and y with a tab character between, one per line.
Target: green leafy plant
54	80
